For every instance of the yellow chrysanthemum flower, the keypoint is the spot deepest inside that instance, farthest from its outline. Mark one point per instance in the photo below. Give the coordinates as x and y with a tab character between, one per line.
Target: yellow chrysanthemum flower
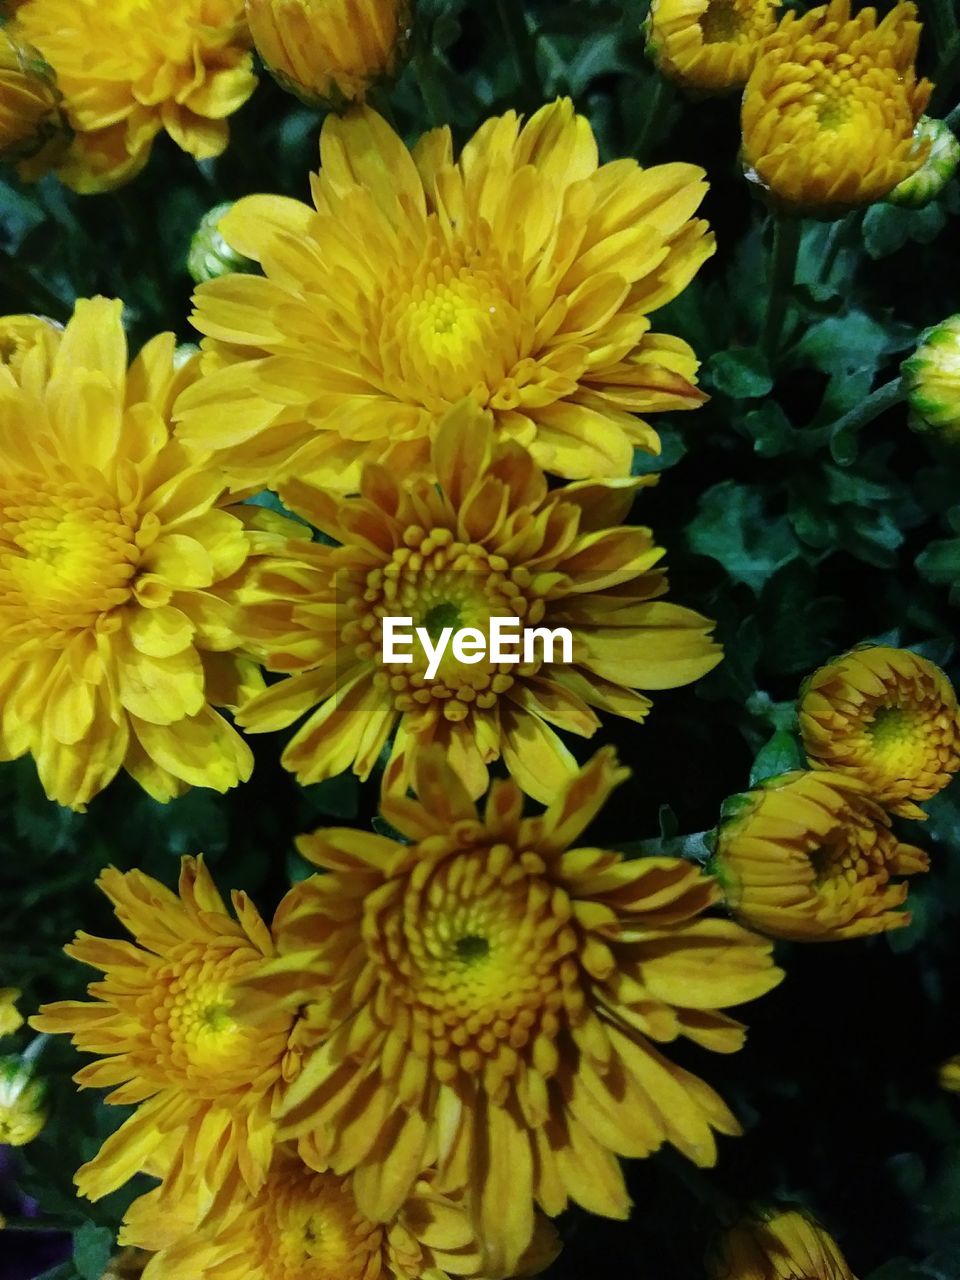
330	52
30	120
810	856
831	105
116	636
304	1225
20	334
521	275
784	1245
11	1019
486	539
488	998
710	45
23	1106
888	717
931	378
130	69
168	1041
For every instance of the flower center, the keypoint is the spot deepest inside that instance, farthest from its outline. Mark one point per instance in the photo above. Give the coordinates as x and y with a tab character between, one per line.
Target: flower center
898	740
477	948
193	1034
312	1230
853	854
440	583
67	554
722	22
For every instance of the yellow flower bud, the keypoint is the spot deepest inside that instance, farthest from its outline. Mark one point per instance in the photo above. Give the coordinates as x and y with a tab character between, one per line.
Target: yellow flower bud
708	45
931	378
11	1019
811	856
21	334
23	1110
330	52
936	171
778	1245
30	119
950	1075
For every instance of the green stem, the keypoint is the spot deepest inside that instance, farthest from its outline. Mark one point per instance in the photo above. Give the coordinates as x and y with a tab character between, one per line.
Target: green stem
520	46
783	270
656	107
695	848
841	233
35	1048
433	100
877	403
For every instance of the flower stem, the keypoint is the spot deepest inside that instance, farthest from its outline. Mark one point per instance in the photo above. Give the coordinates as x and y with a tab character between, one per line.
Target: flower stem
878	402
433	99
658	99
783	270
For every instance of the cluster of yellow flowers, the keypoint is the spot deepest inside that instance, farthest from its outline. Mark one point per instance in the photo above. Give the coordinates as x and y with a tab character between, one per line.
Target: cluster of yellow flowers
440	1040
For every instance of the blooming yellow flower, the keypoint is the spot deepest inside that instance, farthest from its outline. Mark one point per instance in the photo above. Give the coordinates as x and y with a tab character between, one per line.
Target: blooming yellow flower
130	69
486	539
305	1225
710	45
888	717
810	856
784	1245
831	105
20	334
488	999
30	118
329	51
931	378
116	636
23	1109
11	1019
167	1040
521	275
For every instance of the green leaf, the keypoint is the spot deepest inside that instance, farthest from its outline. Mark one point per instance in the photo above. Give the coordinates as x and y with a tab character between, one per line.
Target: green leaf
733	527
672	449
780	755
743	374
337	797
849	344
92	1247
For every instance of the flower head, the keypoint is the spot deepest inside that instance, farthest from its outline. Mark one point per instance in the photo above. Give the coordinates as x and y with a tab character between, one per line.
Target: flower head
128	71
931	378
710	45
831	105
305	1225
11	1019
888	717
936	171
23	1106
116	637
330	52
486	539
168	1041
31	123
810	856
781	1245
20	334
521	275
488	998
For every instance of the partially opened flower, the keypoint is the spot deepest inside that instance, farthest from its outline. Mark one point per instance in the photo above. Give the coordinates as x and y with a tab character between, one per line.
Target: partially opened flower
116	635
31	123
167	1041
304	1225
487	539
779	1245
330	52
887	716
521	274
23	1102
811	856
130	71
19	334
931	379
11	1019
831	105
489	999
710	45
